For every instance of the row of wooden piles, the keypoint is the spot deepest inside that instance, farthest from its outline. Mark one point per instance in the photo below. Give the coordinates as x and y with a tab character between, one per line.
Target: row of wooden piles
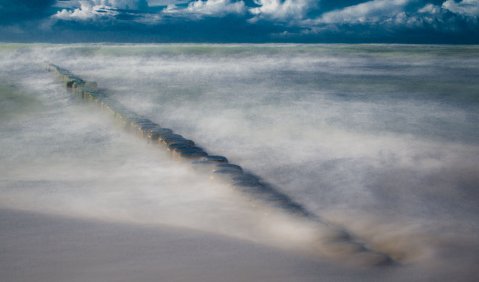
180	147
218	167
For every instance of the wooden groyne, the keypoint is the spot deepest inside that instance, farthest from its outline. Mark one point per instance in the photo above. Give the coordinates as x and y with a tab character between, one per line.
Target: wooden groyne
179	146
218	167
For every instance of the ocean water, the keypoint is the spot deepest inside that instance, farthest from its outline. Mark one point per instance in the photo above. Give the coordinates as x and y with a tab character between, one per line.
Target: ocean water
381	140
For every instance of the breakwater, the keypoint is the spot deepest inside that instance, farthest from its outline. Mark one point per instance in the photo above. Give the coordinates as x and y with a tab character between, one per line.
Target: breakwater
338	240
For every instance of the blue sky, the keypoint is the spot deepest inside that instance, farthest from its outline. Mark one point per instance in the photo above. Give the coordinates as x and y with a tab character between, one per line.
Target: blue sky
393	21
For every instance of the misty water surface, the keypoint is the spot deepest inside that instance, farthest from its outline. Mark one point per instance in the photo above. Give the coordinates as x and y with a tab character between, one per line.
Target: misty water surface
380	139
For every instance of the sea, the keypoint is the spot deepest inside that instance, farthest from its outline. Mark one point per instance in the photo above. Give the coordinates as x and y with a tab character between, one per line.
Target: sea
378	140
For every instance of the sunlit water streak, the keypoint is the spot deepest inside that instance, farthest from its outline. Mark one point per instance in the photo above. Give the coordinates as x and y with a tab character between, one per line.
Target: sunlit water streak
381	139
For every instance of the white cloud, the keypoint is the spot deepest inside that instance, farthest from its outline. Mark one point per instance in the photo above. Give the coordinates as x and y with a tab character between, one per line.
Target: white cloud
368	12
216	7
292	13
105	9
94	9
430	9
84	12
468	8
283	9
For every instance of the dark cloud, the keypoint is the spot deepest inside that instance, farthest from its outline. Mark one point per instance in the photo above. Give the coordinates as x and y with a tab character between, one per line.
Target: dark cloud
14	11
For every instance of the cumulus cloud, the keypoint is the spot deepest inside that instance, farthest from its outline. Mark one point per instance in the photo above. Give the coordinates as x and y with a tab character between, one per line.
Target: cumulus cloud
267	20
389	16
85	11
468	8
139	11
430	9
372	11
283	9
214	7
95	9
292	13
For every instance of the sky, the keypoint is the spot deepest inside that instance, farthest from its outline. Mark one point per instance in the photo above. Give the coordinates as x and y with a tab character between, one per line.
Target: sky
236	21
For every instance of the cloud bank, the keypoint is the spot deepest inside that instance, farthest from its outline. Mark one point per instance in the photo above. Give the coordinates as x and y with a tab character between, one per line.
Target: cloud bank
402	21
